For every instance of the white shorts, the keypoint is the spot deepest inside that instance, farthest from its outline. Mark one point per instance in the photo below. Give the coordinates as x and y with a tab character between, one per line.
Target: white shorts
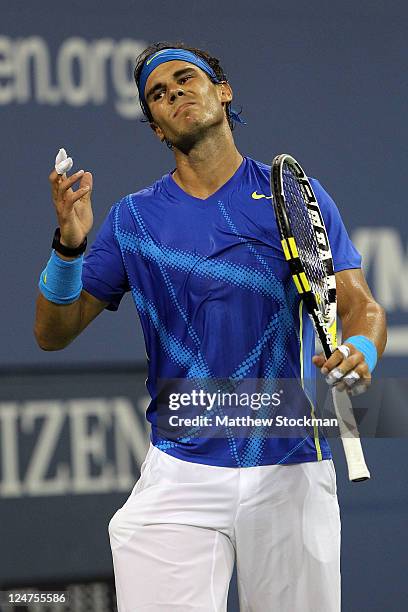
175	540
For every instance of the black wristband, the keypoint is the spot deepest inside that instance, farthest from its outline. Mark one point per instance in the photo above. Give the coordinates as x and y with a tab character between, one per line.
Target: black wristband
64	250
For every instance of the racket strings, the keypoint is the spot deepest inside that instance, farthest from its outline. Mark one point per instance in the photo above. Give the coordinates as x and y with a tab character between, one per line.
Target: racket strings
305	237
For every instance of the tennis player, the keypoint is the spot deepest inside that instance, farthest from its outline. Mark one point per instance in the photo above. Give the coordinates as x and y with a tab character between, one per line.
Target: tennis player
199	251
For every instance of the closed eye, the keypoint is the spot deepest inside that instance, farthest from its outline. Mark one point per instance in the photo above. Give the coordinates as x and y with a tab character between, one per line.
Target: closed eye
158	94
185	78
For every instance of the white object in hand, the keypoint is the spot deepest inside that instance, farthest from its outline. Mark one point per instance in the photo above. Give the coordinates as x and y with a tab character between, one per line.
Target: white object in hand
351	377
63	163
344	350
334	376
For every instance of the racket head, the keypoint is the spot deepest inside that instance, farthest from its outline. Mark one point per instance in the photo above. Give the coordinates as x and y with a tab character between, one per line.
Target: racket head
305	245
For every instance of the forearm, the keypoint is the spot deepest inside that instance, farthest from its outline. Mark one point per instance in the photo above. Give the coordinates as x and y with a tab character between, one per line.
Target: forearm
56	325
367	319
63	309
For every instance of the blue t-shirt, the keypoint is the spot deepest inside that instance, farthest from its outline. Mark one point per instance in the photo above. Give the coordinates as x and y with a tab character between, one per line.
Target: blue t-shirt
215	299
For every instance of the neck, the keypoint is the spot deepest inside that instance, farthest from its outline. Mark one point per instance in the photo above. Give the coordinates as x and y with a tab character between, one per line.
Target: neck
208	165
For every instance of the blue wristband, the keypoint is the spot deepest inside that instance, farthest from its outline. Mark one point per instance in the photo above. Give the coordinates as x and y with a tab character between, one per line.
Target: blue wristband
367	347
61	280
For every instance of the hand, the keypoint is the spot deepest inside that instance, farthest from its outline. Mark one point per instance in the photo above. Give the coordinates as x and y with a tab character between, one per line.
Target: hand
73	208
349	373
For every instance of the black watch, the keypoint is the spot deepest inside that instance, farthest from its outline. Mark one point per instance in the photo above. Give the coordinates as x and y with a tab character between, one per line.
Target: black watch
64	250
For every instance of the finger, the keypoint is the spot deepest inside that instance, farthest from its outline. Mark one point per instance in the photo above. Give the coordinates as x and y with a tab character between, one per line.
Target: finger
54	176
346	365
78	194
65	184
363	371
55	180
69	203
87	181
318	360
336	374
334	360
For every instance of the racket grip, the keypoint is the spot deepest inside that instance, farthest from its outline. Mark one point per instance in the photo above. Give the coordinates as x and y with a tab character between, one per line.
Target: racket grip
357	468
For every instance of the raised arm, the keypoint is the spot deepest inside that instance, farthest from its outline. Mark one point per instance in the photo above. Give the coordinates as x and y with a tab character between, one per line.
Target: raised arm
60	316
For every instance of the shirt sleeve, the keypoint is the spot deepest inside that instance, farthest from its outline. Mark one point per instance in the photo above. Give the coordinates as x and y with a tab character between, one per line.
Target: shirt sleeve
345	254
103	273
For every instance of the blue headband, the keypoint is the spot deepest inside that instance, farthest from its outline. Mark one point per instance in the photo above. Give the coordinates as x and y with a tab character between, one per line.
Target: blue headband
168	55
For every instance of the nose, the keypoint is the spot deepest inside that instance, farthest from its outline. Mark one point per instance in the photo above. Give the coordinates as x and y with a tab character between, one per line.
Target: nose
175	93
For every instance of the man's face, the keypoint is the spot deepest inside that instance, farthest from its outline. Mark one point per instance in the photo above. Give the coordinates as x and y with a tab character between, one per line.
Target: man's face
184	103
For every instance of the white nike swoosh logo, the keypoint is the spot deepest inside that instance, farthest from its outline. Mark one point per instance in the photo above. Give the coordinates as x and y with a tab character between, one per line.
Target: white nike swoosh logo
259	196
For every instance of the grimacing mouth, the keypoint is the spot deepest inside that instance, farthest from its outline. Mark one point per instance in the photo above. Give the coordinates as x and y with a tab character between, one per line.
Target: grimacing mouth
183	105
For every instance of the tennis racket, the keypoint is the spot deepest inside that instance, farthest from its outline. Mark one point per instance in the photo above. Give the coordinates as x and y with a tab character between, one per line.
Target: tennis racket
307	250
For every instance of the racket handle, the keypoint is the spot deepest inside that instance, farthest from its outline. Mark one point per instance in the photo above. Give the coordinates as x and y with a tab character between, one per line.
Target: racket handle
350	437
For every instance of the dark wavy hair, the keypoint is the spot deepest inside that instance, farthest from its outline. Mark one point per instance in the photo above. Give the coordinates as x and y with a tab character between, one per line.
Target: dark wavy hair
212	61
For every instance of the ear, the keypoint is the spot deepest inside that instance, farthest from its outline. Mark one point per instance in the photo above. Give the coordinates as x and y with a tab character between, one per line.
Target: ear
157	130
225	92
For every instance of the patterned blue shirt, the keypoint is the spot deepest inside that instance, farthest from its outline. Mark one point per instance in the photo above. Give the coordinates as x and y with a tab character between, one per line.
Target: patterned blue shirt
215	298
